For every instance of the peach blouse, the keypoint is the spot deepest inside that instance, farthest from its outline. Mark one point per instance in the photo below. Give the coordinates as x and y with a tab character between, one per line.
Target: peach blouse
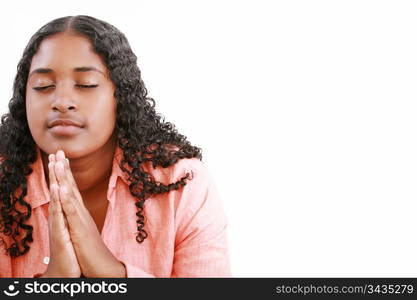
186	227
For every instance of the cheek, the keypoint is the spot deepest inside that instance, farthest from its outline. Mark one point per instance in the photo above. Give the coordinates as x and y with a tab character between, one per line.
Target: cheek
35	116
102	118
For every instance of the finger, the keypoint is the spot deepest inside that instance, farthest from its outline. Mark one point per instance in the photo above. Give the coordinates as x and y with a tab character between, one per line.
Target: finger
62	176
78	217
56	216
61	169
67	205
60	155
71	180
52	203
67	176
60	173
52	157
55	205
52	176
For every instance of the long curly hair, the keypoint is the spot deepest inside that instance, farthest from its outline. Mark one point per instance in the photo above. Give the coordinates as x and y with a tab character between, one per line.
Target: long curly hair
141	134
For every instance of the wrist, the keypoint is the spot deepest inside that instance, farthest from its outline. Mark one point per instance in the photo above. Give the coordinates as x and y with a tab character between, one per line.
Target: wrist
114	269
56	273
100	264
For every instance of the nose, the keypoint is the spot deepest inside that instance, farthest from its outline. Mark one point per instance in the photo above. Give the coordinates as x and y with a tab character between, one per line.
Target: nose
64	99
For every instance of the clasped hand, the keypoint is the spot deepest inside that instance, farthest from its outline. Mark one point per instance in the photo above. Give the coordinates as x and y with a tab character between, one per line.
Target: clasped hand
76	246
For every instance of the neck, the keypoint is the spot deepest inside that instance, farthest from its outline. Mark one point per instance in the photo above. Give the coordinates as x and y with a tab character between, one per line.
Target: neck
91	172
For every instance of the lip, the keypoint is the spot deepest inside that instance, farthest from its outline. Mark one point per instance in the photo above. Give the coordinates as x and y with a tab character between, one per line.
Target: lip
64	122
64	127
67	130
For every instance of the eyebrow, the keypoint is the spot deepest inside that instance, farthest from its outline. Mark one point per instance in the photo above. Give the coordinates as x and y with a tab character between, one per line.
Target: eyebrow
78	69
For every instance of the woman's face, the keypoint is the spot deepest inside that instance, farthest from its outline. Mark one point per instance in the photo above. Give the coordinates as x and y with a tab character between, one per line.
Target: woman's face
68	82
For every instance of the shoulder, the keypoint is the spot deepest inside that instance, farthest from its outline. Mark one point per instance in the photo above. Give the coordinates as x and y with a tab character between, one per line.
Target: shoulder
197	170
200	192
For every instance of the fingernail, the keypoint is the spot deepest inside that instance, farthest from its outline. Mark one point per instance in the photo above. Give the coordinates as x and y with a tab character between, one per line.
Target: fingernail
60	154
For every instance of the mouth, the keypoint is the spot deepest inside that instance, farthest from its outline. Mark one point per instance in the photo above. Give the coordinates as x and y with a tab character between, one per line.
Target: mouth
66	130
64	127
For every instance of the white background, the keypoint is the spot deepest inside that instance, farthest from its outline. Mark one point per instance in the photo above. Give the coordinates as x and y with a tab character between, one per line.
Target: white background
305	111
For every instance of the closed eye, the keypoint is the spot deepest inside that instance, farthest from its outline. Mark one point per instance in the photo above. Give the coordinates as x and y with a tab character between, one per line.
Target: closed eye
85	86
41	88
89	86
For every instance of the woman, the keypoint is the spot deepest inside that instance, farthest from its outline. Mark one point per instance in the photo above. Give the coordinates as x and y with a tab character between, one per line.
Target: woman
92	182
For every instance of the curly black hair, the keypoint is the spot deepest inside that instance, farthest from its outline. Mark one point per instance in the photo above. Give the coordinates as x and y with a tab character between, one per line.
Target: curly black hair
141	134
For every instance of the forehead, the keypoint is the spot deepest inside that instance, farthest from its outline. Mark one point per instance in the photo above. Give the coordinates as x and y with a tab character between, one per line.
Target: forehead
66	51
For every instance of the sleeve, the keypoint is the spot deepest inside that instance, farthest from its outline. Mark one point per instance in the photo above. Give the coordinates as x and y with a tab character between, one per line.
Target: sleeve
201	245
5	260
135	272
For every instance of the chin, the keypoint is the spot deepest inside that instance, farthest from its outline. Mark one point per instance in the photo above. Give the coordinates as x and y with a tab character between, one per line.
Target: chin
75	148
71	151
